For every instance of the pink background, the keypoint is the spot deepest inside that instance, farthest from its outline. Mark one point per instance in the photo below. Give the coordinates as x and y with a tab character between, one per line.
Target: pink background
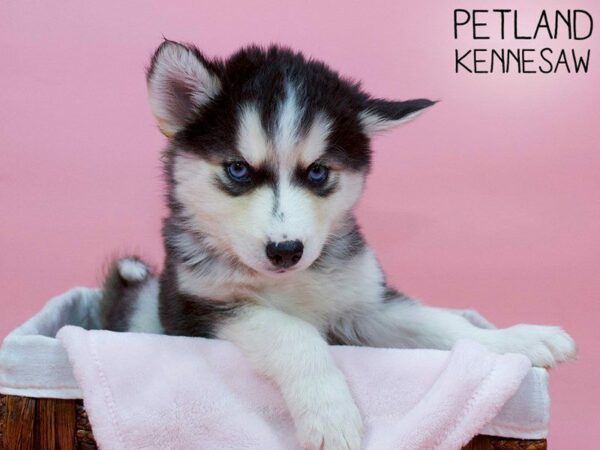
490	200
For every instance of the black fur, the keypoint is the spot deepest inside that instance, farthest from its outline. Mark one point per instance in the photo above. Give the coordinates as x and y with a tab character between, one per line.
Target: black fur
188	315
397	110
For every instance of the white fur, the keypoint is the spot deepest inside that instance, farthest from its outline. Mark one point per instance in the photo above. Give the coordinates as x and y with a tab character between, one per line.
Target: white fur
175	64
294	355
312	147
252	140
544	345
374	123
237	225
145	316
322	298
132	270
219	282
286	136
473	317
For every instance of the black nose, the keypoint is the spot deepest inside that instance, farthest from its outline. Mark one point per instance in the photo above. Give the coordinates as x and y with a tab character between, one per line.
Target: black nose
285	254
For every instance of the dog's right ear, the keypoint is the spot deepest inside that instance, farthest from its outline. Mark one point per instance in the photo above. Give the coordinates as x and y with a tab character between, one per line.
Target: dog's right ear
380	115
180	82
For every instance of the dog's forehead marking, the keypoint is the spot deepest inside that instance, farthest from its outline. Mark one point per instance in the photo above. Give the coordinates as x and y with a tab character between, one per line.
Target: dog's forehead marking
315	142
288	124
288	145
252	141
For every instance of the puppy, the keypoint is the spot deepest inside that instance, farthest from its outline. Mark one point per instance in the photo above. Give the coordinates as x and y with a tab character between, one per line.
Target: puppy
266	158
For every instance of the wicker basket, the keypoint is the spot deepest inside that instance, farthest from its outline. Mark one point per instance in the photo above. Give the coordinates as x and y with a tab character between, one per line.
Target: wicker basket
49	424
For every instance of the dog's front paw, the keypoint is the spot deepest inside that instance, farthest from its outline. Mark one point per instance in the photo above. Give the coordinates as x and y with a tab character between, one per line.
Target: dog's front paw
331	427
330	420
545	346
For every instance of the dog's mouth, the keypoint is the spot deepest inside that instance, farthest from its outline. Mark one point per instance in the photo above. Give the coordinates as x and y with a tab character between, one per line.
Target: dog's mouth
279	271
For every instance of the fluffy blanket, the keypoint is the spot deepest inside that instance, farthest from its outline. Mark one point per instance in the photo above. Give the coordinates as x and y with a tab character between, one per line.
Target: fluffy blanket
160	392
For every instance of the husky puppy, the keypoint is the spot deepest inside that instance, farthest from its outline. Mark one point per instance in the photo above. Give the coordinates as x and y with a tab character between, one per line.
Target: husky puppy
267	155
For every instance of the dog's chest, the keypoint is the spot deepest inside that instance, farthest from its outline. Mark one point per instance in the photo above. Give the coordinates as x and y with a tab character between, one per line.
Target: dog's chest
317	296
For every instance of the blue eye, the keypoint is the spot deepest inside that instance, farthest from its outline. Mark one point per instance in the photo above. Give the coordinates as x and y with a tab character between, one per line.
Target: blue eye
317	174
238	171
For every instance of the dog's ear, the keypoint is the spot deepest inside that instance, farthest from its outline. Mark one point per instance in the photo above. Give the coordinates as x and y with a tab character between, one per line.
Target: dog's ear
180	82
379	115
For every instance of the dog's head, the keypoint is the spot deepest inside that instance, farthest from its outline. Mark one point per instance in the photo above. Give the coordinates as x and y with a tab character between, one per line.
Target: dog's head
267	151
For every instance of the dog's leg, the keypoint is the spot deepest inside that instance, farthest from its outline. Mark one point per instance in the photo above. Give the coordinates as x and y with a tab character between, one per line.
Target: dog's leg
295	356
401	322
473	317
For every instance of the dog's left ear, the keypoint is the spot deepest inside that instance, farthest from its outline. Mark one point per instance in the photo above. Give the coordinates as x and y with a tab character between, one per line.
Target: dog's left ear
180	82
379	115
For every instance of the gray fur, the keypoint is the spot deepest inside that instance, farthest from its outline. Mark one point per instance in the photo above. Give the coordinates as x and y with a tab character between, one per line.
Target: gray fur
344	244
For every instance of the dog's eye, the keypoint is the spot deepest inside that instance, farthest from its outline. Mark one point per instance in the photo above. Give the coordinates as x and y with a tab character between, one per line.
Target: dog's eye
238	171
317	174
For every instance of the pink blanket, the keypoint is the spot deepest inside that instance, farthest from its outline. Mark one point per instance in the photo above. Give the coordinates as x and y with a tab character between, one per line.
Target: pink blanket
159	392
